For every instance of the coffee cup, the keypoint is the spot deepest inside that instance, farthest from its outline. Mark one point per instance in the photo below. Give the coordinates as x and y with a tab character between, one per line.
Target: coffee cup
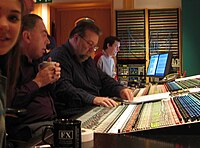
66	133
44	64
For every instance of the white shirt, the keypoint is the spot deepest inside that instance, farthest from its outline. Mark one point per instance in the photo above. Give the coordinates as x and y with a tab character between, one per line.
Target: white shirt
107	65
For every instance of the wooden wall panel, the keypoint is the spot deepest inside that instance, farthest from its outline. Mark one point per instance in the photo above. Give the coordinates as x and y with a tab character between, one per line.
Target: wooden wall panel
65	20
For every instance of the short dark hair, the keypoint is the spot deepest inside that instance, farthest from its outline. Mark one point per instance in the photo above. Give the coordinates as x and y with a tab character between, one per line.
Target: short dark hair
29	21
110	40
81	27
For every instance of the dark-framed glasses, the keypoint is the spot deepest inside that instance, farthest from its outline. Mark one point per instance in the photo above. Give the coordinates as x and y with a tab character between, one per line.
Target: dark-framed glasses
90	43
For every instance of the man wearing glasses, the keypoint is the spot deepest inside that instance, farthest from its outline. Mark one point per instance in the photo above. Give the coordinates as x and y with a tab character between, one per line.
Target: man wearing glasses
82	84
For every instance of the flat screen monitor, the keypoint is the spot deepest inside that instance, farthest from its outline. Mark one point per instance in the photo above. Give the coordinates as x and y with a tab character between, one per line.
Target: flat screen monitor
152	65
159	65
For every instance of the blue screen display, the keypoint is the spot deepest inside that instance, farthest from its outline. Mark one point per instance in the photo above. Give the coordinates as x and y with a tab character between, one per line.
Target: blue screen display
161	66
152	65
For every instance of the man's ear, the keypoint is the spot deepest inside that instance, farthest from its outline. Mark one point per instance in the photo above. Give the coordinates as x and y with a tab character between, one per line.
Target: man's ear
108	45
76	36
26	36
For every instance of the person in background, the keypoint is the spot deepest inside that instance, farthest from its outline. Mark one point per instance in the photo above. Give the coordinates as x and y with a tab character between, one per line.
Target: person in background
10	23
52	43
105	59
82	84
29	6
32	88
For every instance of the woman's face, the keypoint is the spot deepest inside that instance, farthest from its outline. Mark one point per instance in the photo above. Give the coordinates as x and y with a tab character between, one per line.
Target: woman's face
10	23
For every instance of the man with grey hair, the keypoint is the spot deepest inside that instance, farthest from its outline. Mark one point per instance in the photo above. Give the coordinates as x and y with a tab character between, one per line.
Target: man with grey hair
32	89
82	84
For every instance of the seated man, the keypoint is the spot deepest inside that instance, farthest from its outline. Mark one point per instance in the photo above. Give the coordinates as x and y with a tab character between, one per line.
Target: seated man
82	84
105	58
32	88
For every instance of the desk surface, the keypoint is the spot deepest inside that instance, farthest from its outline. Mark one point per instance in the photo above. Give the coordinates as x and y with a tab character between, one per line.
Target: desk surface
161	141
128	141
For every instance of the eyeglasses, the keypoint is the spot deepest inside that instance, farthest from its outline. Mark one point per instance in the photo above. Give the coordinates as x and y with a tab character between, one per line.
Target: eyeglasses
90	43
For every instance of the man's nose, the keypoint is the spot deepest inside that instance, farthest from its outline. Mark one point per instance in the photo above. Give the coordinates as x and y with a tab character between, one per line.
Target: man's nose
48	41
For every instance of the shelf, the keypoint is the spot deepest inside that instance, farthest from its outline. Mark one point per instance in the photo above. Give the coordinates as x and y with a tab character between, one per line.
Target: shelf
131	75
144	32
131	61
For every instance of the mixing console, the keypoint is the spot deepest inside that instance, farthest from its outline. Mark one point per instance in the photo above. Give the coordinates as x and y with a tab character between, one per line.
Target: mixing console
172	111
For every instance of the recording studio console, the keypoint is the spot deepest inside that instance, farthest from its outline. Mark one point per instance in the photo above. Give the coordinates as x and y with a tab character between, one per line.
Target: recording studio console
170	108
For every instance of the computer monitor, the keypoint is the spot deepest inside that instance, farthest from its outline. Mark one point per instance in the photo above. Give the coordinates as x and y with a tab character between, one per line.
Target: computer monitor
164	64
159	65
152	65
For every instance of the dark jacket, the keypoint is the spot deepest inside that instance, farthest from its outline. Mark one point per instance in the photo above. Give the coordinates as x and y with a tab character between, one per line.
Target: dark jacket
2	109
80	83
37	101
